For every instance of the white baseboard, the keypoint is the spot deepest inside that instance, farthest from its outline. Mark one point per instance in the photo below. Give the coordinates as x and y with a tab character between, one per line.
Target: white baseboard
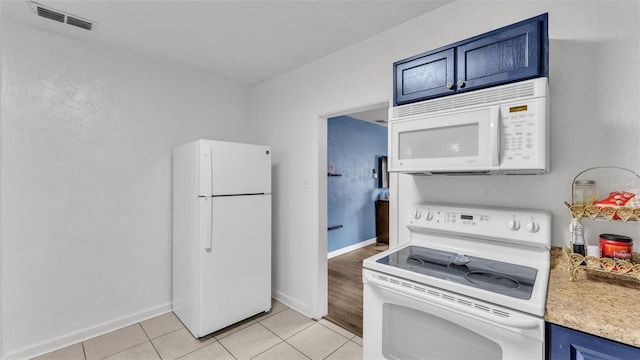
345	250
292	303
88	333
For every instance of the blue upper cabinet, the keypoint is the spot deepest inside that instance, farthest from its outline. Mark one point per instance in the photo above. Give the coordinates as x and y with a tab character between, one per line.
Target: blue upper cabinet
515	52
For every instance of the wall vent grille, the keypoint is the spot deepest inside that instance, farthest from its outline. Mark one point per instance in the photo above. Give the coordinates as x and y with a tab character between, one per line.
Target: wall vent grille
61	16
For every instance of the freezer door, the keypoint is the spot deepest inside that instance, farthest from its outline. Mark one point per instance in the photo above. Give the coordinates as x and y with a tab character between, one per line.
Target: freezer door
235	276
233	168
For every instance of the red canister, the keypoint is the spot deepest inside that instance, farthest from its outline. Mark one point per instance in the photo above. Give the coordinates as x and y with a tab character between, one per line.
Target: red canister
617	247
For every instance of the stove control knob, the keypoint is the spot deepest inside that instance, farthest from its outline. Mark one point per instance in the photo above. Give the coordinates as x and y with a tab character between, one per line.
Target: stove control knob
531	226
513	224
418	214
429	216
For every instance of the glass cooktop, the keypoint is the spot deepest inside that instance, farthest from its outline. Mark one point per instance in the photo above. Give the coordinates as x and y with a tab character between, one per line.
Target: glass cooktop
495	276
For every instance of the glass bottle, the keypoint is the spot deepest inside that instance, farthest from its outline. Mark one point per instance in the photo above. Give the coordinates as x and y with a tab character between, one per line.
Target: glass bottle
585	192
577	237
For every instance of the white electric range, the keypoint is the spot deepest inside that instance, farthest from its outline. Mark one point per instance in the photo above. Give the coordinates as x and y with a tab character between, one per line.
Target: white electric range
470	283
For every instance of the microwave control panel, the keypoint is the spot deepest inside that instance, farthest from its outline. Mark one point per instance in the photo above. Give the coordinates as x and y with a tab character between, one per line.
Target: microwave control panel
523	143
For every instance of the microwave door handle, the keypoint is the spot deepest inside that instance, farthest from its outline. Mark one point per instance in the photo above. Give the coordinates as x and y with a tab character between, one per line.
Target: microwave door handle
494	136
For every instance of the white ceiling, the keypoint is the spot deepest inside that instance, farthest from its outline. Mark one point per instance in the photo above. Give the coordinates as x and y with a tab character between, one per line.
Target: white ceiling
244	41
379	115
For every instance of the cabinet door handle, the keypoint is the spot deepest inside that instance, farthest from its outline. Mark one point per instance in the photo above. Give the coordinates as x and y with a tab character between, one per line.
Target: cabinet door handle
449	86
461	83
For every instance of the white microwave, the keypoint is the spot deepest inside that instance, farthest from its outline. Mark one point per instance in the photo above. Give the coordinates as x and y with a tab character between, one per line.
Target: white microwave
499	130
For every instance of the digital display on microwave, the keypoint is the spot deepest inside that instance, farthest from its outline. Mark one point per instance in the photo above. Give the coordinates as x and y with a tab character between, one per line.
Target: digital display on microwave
518	108
466	217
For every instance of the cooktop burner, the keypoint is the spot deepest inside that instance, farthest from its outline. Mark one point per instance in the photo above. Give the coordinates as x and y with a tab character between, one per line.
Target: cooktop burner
495	276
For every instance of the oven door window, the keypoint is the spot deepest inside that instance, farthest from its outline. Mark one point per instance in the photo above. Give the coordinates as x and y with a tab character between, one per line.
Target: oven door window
403	337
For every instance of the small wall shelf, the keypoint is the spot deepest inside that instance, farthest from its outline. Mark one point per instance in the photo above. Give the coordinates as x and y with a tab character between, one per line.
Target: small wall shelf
336	227
614	180
332	174
624	179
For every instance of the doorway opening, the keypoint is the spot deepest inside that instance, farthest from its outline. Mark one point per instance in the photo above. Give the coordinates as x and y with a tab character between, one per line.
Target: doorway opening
340	262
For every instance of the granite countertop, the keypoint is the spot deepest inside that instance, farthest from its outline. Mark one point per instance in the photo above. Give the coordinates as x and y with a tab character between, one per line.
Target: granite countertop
596	305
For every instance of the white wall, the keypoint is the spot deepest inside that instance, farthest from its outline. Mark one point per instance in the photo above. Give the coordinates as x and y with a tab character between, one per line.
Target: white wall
1	197
87	135
594	56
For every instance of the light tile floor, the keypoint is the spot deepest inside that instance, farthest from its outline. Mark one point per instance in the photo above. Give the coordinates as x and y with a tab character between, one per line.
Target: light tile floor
282	333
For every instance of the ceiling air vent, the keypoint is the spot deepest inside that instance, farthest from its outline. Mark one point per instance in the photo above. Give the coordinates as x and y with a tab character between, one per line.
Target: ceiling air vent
49	14
79	23
61	16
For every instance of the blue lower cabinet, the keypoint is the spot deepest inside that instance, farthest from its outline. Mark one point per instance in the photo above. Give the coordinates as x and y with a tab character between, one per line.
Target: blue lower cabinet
568	344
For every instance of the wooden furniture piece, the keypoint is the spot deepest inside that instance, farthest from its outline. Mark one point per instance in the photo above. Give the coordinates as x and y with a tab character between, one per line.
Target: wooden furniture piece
382	221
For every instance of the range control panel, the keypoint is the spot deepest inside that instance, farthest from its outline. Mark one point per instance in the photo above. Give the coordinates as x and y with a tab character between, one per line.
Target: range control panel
508	224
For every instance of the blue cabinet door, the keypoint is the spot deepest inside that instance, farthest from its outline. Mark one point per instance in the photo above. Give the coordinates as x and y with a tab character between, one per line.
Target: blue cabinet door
424	76
510	54
568	344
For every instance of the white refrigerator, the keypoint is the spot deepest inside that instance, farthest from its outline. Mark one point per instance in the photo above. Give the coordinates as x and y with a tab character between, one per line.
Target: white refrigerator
221	233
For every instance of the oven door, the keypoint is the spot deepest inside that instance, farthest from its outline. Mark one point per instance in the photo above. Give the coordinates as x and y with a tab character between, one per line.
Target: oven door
406	320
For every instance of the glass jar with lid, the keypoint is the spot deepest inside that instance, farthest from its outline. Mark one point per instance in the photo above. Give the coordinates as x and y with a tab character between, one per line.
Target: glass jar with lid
585	192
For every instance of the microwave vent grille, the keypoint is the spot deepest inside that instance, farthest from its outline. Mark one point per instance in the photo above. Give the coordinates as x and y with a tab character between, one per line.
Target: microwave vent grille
472	98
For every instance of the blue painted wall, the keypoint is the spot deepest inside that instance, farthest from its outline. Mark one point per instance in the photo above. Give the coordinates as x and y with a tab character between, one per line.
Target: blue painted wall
353	147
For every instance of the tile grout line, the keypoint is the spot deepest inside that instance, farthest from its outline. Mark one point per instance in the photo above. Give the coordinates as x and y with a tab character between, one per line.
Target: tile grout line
306	327
339	347
338	332
300	351
281	340
129	348
84	351
200	348
151	340
225	348
255	318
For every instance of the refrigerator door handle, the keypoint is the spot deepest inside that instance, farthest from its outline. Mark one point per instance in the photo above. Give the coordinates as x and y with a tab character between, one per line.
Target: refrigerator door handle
206	223
210	227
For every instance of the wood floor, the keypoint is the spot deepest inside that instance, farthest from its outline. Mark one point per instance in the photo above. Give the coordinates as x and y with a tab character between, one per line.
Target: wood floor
345	287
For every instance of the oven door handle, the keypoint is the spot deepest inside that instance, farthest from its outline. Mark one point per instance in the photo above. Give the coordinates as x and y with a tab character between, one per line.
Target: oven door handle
452	302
